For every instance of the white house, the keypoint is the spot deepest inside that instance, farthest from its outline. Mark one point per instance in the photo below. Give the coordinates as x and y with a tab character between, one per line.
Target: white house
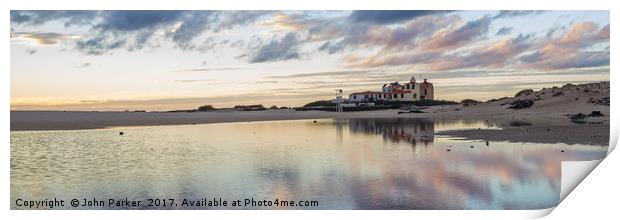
409	91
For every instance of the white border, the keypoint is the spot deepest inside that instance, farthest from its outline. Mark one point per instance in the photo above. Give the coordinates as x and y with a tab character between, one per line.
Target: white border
588	203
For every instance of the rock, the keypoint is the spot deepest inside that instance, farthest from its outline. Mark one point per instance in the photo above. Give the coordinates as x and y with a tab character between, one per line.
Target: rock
557	94
578	116
596	114
521	104
600	101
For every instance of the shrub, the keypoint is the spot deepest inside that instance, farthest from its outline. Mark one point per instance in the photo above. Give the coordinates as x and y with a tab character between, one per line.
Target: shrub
524	92
320	103
250	108
469	102
205	108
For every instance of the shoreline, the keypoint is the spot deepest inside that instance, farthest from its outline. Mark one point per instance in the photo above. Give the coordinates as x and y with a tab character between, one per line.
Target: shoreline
552	128
572	114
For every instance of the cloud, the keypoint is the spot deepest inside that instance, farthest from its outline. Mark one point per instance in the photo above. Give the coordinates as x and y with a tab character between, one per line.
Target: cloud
458	36
408	58
567	50
390	16
288	22
388	39
99	45
193	26
46	38
504	31
315	74
193	80
209	69
437	40
267	82
278	50
137	28
423	41
137	20
495	55
235	18
515	13
39	17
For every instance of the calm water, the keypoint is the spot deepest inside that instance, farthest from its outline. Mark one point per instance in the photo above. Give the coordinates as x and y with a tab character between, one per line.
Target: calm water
342	164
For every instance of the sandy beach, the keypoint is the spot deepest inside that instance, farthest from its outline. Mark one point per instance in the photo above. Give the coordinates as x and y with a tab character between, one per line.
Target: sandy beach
547	121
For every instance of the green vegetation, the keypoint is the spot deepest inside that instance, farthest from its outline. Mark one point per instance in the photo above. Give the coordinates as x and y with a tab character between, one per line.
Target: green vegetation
434	102
205	108
250	108
320	103
498	99
469	102
524	92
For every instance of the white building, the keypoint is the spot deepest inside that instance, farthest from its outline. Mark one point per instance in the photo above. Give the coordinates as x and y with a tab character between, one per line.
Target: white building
409	91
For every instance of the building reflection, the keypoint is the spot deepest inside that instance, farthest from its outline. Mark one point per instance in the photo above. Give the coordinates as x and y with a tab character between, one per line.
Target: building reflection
396	130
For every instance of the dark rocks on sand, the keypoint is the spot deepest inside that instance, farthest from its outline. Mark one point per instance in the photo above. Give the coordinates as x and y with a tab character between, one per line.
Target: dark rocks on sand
412	111
521	104
557	94
596	114
601	101
519	123
578	116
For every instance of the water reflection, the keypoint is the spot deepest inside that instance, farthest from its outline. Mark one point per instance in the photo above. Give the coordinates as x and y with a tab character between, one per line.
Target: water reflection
410	130
344	164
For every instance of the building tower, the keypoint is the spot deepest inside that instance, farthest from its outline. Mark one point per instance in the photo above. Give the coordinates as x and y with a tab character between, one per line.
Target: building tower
339	100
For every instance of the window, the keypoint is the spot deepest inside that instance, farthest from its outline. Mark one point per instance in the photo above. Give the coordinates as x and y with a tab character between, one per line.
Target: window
414	95
354	96
402	95
395	96
424	91
407	86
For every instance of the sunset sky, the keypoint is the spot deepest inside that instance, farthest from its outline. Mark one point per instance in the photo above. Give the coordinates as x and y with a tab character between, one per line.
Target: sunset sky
165	60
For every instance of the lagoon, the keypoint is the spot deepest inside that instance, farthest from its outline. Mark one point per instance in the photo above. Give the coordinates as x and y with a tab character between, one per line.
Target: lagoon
365	163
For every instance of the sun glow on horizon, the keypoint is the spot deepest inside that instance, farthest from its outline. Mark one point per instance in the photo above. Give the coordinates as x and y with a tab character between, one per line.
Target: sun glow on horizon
169	60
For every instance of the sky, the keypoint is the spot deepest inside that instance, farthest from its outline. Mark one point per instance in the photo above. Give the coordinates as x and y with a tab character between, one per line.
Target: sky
168	60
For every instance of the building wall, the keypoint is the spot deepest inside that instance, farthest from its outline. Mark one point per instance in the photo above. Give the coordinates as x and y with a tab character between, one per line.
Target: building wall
416	91
426	91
